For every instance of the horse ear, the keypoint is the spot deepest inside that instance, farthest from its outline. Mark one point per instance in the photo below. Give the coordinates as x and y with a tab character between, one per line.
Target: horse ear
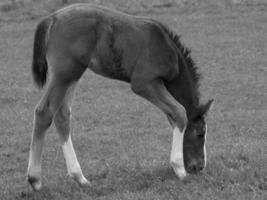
204	109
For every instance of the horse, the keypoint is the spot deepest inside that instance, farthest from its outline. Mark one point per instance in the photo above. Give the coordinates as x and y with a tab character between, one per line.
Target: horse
138	50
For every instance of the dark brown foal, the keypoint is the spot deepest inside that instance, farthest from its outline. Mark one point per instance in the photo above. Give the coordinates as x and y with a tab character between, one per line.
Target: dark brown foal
137	50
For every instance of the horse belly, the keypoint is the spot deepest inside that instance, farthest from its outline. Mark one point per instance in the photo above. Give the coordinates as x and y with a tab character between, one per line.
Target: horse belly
109	67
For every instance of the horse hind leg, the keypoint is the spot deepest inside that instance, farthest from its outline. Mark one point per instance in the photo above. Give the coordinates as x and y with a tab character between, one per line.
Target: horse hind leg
62	122
156	92
42	120
45	111
43	117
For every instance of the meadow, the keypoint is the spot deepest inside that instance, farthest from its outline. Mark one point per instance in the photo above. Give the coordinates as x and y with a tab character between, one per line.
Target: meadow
121	140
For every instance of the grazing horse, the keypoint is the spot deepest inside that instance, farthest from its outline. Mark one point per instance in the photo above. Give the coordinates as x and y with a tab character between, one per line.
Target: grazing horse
137	50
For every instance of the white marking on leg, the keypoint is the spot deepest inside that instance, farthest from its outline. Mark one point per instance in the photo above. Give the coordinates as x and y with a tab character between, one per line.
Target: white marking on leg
34	166
73	165
35	157
177	156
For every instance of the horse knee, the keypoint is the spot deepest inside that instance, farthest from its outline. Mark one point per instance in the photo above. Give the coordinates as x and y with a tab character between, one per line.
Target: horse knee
140	88
180	118
137	89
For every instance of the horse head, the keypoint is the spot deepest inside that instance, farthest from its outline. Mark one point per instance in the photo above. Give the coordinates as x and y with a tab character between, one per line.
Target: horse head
194	146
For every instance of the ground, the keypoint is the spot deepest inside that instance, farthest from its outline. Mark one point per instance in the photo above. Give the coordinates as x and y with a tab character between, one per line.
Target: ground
122	141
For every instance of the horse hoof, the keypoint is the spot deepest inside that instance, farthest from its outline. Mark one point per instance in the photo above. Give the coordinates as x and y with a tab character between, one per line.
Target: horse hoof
84	182
179	171
35	183
81	180
181	174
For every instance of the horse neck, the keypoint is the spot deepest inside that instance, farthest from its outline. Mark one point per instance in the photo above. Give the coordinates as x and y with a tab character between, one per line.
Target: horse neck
190	94
184	89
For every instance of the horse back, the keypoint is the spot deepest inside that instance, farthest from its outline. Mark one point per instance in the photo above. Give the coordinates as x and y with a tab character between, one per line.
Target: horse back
111	43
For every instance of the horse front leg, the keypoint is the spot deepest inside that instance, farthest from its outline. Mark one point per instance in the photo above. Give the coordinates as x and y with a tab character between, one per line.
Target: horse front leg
176	156
156	92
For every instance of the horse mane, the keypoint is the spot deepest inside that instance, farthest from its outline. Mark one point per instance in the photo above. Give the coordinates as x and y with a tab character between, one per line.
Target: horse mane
190	64
187	56
193	70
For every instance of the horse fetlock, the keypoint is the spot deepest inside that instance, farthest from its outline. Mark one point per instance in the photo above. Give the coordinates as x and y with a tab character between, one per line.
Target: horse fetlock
178	167
35	182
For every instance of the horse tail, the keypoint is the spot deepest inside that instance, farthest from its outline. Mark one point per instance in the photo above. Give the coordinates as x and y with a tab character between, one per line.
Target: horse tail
39	62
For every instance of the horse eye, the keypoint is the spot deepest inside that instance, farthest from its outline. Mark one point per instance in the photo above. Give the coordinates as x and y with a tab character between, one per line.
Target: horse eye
200	135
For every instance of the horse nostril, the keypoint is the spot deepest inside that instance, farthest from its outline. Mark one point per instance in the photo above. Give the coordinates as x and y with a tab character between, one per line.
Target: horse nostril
201	165
192	168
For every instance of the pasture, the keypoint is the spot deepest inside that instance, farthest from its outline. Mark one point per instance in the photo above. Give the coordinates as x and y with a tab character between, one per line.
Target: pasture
121	140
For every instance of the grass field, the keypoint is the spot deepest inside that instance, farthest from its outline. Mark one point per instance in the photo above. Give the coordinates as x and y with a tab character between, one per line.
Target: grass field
122	141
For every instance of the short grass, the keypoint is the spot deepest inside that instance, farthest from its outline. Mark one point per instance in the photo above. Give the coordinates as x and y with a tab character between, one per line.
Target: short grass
122	141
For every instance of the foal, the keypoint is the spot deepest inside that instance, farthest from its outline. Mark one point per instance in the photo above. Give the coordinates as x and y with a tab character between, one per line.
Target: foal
137	50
